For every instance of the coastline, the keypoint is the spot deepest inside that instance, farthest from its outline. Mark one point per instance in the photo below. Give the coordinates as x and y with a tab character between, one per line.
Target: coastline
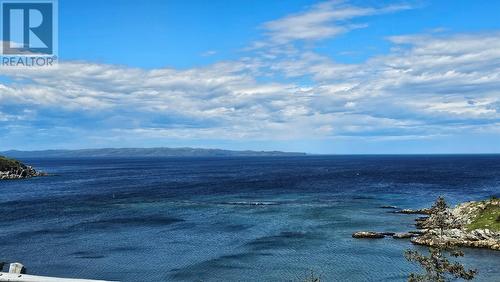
11	169
469	231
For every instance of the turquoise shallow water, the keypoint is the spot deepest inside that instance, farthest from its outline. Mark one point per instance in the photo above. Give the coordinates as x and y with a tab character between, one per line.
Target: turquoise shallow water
233	219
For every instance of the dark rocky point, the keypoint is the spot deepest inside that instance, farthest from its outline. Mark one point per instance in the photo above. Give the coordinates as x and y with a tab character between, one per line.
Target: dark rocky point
417	232
14	169
387	233
389	207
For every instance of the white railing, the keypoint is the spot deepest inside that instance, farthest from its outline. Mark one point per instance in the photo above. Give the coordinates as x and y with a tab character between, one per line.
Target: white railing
14	277
16	274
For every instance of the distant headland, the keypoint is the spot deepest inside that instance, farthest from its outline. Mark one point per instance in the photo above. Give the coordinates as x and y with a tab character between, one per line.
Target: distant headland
14	169
145	152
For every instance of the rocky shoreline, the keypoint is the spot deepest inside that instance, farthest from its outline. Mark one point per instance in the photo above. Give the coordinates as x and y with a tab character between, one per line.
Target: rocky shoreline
12	169
477	226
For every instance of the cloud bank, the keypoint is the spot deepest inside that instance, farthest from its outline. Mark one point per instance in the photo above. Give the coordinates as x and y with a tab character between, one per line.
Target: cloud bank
428	85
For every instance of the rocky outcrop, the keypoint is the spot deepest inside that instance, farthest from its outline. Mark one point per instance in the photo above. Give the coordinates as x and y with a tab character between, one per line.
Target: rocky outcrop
13	169
478	238
420	221
465	234
468	211
368	234
417	232
389	207
387	233
378	235
20	173
404	235
465	218
410	211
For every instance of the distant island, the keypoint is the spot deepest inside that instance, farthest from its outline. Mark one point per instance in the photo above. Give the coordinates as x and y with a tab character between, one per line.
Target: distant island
145	152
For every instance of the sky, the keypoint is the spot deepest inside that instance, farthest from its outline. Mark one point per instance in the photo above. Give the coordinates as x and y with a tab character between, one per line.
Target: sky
329	77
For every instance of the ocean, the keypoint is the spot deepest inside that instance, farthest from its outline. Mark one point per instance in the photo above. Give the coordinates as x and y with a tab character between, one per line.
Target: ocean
233	219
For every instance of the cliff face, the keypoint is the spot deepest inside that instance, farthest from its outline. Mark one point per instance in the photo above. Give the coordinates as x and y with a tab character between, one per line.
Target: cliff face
13	169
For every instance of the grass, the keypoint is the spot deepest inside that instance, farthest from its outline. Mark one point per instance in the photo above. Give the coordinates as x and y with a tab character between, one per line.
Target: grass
489	218
6	163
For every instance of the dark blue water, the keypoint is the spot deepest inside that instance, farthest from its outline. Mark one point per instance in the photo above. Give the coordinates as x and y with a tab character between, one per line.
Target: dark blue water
195	219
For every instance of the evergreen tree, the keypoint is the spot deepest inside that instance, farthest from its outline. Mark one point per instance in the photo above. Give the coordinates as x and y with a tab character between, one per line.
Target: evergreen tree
437	266
441	218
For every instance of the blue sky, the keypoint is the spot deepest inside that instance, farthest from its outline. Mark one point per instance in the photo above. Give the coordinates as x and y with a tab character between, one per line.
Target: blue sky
314	76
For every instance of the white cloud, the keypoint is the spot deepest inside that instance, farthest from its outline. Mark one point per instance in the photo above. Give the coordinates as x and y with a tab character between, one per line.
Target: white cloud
426	76
209	53
427	85
418	88
321	21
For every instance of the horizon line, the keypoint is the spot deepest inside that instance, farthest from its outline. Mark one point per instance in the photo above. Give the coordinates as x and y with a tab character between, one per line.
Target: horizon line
254	150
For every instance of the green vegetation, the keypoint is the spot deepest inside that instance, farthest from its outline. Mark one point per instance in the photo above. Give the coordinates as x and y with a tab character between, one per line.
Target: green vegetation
437	266
8	164
488	218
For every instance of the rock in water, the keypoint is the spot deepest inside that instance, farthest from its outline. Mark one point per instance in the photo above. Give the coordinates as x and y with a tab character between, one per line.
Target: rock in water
387	233
389	207
368	234
410	211
418	232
